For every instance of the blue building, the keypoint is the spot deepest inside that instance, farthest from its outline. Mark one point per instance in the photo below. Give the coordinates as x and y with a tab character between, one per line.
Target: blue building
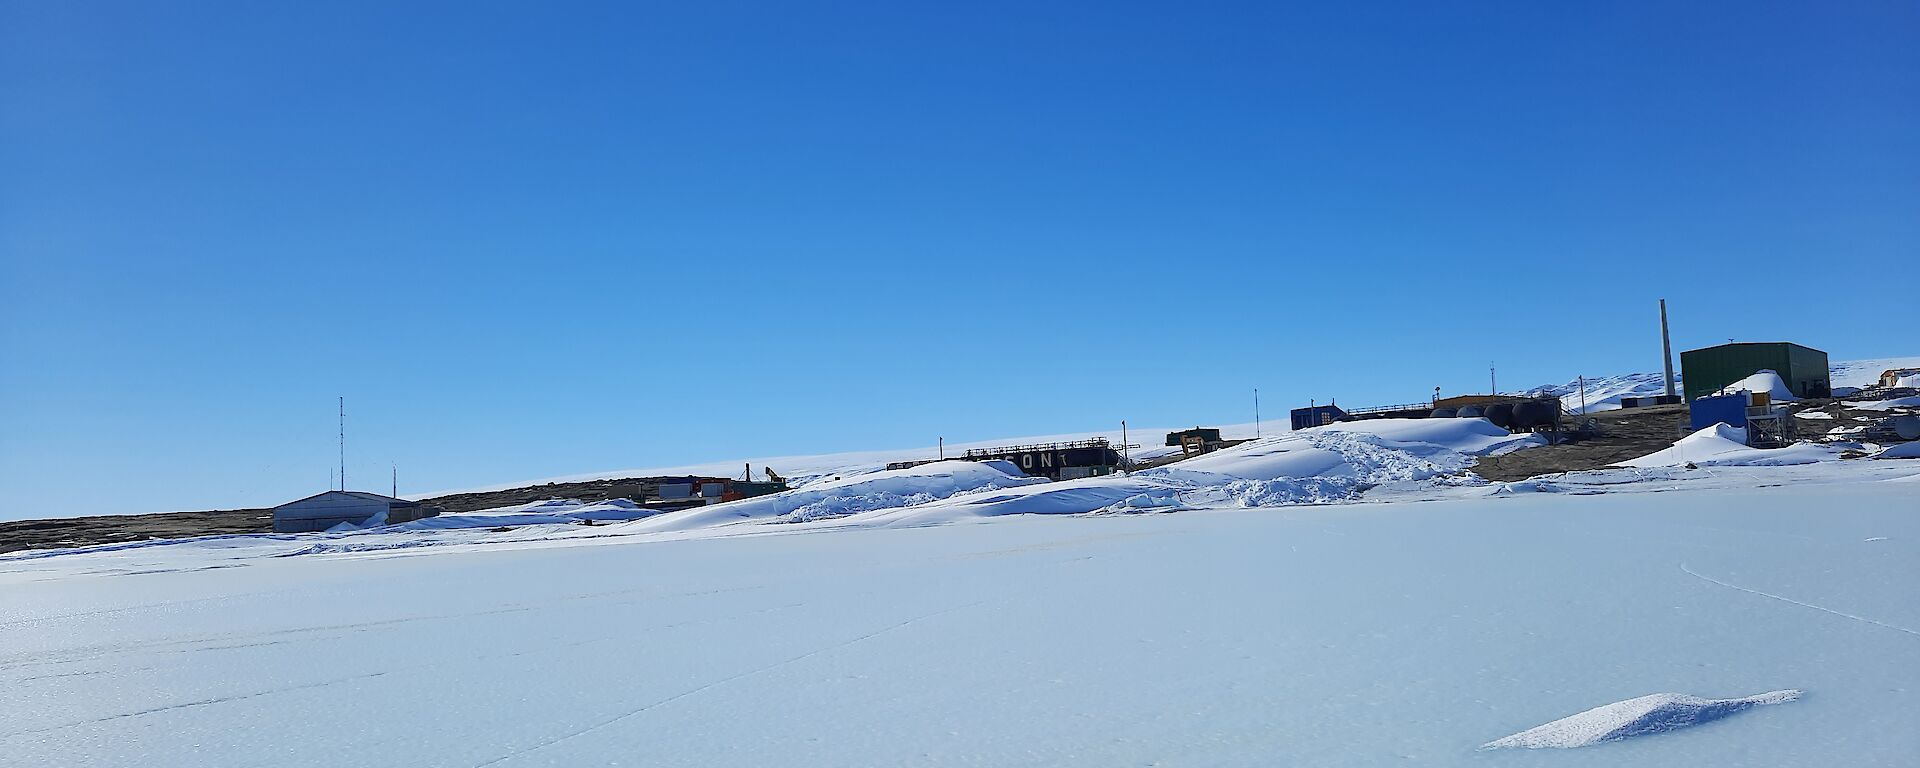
1730	410
1319	415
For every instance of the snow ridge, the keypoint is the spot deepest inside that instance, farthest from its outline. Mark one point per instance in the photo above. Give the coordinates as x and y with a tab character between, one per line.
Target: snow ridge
1657	713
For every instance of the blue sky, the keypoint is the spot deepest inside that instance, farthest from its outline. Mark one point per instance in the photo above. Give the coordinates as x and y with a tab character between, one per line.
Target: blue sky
535	239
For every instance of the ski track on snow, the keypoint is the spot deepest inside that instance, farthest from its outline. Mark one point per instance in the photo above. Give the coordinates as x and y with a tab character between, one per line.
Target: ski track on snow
545	649
1875	622
717	683
191	704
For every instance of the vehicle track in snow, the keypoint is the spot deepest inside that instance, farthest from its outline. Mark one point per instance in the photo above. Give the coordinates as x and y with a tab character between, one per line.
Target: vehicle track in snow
1863	619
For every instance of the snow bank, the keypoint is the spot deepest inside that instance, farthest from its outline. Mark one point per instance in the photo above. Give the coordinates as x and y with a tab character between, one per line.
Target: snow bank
548	512
1658	713
1334	463
1901	451
1722	445
887	489
1766	381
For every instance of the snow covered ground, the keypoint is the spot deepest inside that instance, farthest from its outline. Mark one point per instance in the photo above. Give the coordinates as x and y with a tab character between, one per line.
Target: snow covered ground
1350	634
1345	595
1336	596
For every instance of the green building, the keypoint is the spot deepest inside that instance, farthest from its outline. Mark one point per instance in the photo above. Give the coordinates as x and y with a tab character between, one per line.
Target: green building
1804	369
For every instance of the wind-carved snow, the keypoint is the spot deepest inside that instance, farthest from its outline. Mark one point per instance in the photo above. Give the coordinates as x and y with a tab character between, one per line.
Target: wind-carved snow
1722	445
1658	713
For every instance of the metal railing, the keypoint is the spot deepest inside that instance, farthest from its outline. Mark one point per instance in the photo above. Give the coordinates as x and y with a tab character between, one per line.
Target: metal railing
974	453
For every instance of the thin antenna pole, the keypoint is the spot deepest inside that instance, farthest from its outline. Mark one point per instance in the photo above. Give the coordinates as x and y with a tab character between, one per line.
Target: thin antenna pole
1492	388
1256	412
396	481
1583	395
343	442
943	447
1126	456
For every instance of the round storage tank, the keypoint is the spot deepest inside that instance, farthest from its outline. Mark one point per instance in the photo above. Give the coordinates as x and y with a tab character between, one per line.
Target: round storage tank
1907	427
1501	414
1441	413
1470	412
1533	413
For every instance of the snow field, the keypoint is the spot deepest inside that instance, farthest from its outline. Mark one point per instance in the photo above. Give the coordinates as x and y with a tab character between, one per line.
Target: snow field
1330	635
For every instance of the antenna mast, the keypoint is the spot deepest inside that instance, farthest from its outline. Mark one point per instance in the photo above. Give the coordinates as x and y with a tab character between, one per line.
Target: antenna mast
343	442
1256	412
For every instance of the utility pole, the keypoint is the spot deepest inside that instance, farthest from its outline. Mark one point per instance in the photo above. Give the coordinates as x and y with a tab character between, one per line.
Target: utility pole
343	442
1492	388
396	481
1126	455
1666	346
1256	412
943	447
1583	395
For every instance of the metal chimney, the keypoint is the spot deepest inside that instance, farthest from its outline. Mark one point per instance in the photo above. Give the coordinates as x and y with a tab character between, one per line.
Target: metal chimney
1666	346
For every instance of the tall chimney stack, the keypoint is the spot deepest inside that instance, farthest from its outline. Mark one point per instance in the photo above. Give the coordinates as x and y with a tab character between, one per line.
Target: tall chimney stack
1666	346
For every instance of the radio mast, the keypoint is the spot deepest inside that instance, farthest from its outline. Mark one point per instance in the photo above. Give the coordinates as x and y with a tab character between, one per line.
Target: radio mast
343	442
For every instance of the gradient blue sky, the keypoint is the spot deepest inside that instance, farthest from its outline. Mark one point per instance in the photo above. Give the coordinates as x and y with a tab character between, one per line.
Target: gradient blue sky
535	239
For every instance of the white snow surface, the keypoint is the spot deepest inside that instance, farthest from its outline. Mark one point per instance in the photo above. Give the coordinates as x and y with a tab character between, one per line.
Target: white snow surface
884	490
1866	373
1723	445
1766	381
1339	596
1656	713
1410	628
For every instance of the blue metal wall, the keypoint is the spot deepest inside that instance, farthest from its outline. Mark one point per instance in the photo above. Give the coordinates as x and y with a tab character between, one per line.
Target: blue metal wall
1730	410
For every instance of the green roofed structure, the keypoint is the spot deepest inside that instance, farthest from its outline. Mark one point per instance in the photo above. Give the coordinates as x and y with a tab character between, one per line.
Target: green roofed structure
1706	370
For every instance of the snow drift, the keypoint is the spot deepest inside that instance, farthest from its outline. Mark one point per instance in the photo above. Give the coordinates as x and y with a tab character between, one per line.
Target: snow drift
1723	445
1658	713
1334	463
1764	380
832	499
548	512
